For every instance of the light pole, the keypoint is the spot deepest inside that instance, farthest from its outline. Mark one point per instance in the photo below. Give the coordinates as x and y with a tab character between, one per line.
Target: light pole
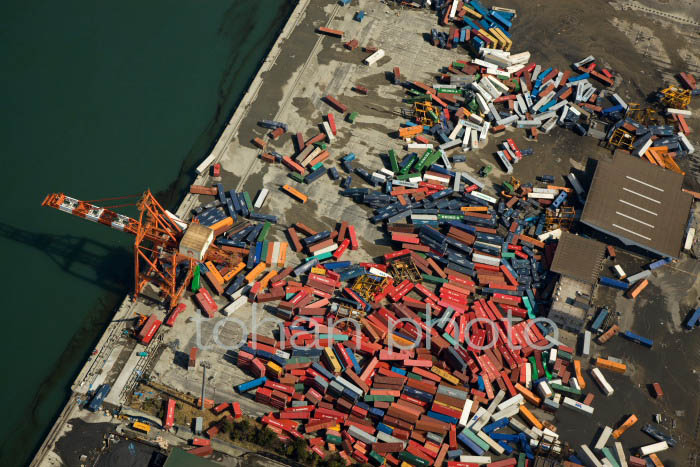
205	366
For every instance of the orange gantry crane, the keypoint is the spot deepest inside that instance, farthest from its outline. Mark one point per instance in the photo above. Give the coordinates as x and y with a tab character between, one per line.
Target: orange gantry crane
156	247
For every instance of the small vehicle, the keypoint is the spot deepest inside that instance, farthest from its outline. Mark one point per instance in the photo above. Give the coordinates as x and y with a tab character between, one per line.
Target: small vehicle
485	170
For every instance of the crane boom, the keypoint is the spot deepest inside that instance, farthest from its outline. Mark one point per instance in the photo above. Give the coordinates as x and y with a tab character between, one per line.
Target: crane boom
156	244
91	212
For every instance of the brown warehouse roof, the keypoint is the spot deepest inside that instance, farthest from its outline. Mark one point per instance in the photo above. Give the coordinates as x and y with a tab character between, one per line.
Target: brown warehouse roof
578	257
639	203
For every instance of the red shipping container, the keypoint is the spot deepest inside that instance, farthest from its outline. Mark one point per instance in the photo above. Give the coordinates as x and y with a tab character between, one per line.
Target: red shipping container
331	123
173	314
170	414
206	302
202	451
200	442
237	410
149	329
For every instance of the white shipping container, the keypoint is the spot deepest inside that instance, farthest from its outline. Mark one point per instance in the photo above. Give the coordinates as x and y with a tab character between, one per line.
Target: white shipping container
485	197
374	58
423	217
436	178
653	448
419	146
481	412
689	239
602	382
551	191
552	234
327	249
204	165
483	259
261	198
685	113
180	223
508	412
578	406
541	196
589	457
494	446
586	343
388	173
329	132
466	411
475	139
603	438
620	453
475	459
619	271
544	390
455	131
234	305
685	142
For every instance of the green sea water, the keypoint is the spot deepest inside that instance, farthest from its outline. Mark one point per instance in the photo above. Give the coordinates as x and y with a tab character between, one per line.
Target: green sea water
99	100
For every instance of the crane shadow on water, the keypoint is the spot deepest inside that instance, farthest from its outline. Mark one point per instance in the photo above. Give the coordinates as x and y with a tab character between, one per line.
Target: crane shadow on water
110	267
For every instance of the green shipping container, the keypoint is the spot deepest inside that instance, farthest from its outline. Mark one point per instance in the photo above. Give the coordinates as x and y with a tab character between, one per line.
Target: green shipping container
392	160
195	279
296	177
263	233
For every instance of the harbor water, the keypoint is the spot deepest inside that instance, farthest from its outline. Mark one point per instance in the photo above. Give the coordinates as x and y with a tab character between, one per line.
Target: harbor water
101	100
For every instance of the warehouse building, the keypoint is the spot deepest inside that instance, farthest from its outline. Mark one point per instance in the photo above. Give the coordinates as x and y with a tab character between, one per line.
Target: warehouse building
639	203
578	261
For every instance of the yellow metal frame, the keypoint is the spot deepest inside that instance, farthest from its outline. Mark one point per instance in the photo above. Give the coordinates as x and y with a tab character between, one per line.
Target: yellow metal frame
405	269
675	97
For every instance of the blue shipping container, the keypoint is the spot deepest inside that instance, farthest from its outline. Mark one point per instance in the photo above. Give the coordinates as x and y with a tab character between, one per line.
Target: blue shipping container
638	339
610	282
693	319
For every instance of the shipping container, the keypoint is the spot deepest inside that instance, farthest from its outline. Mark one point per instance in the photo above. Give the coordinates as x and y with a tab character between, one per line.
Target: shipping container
619	271
169	414
607	335
331	32
96	400
174	314
602	382
148	330
142	427
192	361
693	319
599	319
638	339
374	58
206	302
653	448
295	193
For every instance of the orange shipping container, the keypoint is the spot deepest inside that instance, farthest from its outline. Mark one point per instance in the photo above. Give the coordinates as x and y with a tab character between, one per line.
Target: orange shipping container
610	365
579	374
532	420
203	190
637	288
232	273
614	329
407	132
222	226
214	272
631	420
255	272
295	194
330	32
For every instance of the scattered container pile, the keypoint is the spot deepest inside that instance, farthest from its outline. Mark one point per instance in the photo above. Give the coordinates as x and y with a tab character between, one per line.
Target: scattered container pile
434	355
